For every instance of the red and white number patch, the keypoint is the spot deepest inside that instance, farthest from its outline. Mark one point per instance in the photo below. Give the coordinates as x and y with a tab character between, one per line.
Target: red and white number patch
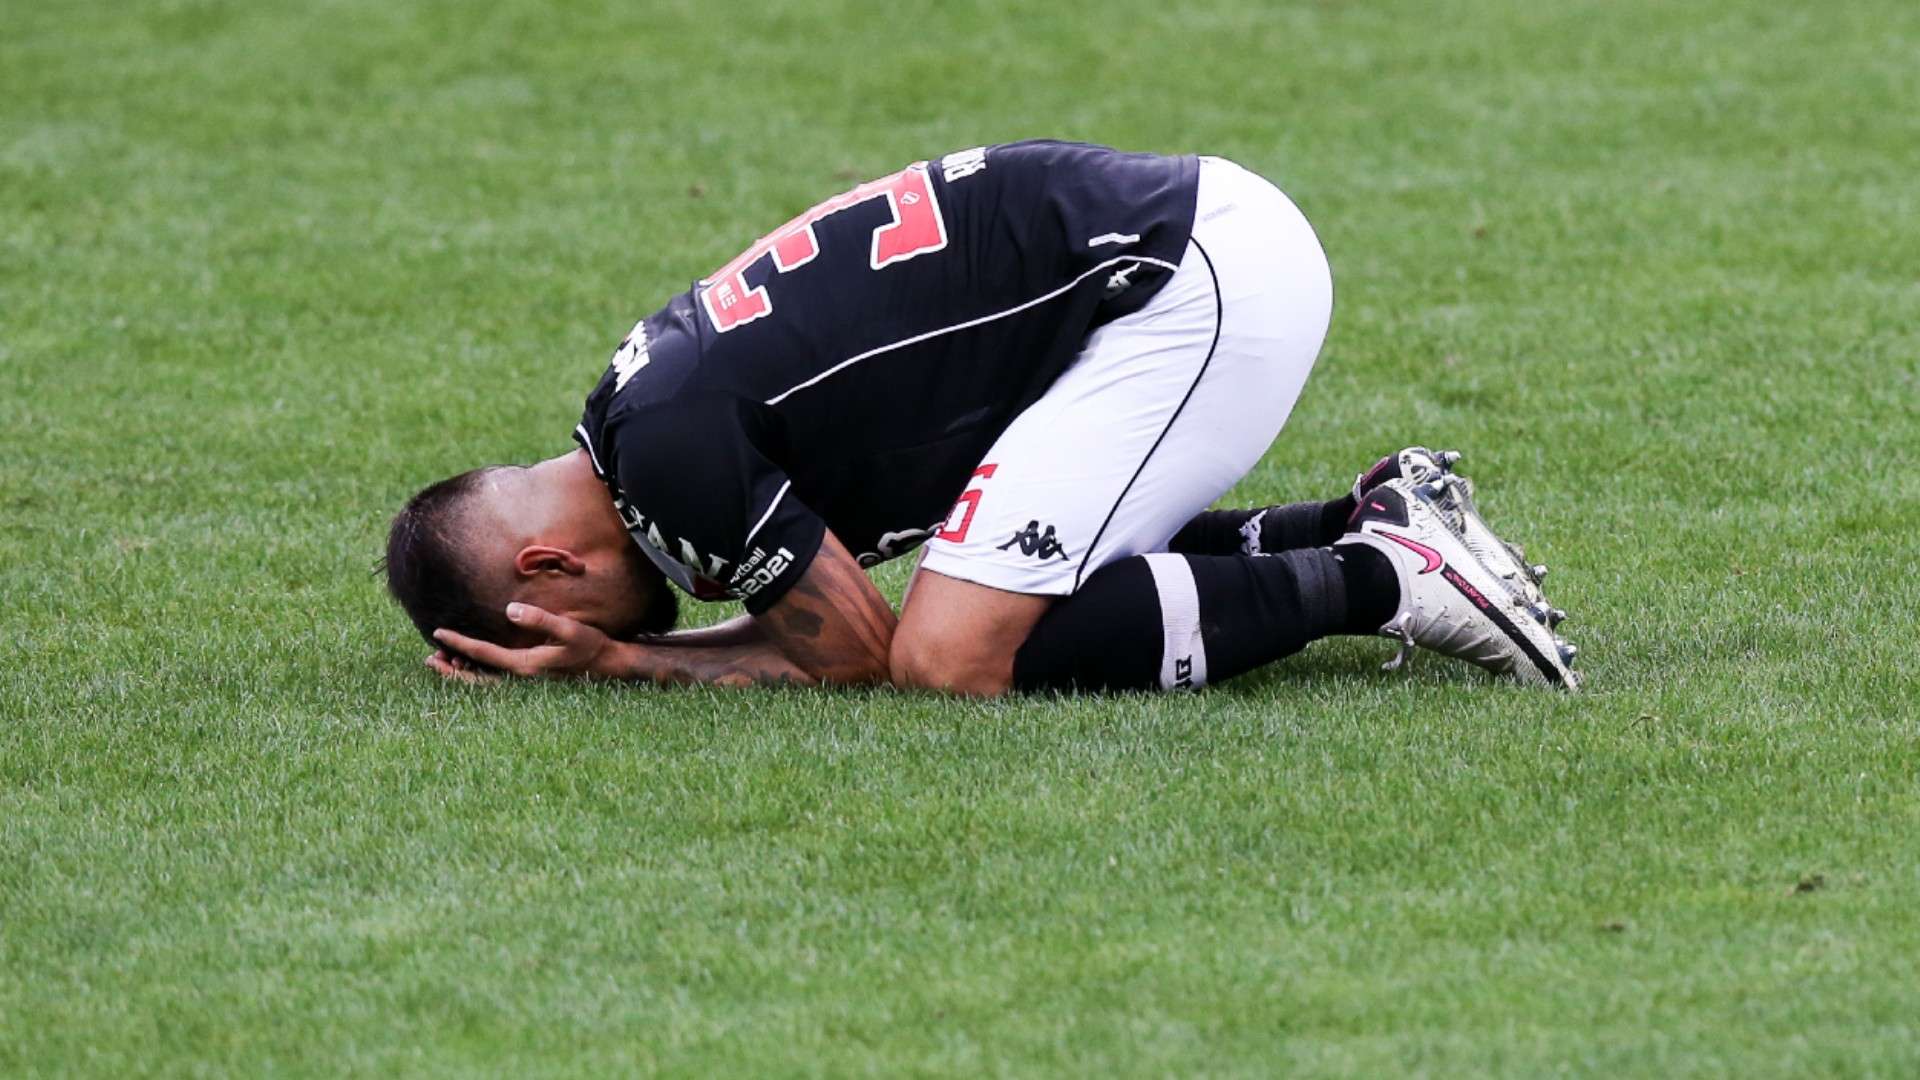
916	229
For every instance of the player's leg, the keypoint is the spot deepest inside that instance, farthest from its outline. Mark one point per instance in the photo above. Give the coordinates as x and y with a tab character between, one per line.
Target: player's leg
1418	563
1263	530
960	636
1266	530
1164	411
1168	621
1415	561
1158	621
1180	618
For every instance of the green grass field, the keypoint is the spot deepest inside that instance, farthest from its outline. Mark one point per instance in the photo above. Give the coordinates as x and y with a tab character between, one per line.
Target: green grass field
265	268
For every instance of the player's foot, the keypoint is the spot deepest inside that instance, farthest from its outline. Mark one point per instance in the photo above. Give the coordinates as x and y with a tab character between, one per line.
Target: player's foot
1507	559
1416	463
1451	600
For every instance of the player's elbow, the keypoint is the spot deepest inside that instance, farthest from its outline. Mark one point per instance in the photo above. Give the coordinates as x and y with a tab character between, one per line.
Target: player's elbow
865	670
854	661
920	662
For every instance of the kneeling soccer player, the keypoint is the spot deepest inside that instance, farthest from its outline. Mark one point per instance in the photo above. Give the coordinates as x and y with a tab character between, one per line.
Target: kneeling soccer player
1041	360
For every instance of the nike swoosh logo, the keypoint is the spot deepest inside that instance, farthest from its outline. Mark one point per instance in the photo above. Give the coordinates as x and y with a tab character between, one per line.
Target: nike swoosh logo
1434	561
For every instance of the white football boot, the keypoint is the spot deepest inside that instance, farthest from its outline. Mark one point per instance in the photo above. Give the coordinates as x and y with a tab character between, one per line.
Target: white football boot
1453	599
1507	559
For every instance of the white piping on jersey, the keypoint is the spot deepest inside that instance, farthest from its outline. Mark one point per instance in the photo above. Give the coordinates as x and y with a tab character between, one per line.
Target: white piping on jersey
587	441
968	325
747	544
1114	238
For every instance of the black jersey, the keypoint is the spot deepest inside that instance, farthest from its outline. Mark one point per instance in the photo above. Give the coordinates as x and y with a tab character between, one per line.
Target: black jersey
849	370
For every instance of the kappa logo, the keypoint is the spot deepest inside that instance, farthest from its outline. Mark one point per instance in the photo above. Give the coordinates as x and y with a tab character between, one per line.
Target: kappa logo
1039	545
631	356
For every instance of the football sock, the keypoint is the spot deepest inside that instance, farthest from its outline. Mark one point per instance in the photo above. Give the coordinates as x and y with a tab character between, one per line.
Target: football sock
1271	529
1373	589
1264	530
1173	621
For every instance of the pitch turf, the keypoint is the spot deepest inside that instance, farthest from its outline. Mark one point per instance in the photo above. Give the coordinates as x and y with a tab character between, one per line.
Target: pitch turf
266	267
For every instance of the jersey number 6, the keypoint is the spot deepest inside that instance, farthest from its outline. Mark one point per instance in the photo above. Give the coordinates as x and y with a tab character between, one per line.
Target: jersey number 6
916	229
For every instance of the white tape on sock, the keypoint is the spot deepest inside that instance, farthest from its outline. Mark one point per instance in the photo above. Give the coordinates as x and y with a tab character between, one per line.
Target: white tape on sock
1183	656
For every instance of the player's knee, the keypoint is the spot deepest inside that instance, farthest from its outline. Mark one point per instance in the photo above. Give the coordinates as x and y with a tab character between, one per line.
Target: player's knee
920	661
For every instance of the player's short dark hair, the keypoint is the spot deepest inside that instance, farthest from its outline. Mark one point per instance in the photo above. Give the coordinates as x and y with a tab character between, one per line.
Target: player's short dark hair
430	567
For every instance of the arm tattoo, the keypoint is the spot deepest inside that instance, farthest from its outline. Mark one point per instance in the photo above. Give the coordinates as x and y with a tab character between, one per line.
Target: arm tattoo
833	623
750	665
802	623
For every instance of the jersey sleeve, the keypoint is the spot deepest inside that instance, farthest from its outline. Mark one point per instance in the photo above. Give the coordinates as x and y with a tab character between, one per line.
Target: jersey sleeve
708	506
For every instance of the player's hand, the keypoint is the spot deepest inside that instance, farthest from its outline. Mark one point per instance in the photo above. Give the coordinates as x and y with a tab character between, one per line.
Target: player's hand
456	668
573	649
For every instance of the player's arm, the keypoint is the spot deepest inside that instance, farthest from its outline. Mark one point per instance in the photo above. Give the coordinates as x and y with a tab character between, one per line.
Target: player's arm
831	625
739	630
750	629
575	650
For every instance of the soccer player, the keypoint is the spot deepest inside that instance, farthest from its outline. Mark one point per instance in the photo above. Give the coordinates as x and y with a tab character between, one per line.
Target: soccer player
1042	361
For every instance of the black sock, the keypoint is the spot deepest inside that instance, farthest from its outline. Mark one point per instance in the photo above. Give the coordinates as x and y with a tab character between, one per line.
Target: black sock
1373	592
1264	530
1332	524
1180	621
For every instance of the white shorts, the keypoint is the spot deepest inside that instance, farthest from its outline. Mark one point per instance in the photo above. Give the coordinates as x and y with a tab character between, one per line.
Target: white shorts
1162	411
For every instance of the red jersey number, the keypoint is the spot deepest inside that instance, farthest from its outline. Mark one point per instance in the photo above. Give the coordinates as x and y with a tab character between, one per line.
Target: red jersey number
916	229
955	531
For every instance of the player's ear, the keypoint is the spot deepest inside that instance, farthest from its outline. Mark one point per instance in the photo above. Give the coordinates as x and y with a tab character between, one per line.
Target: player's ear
536	560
